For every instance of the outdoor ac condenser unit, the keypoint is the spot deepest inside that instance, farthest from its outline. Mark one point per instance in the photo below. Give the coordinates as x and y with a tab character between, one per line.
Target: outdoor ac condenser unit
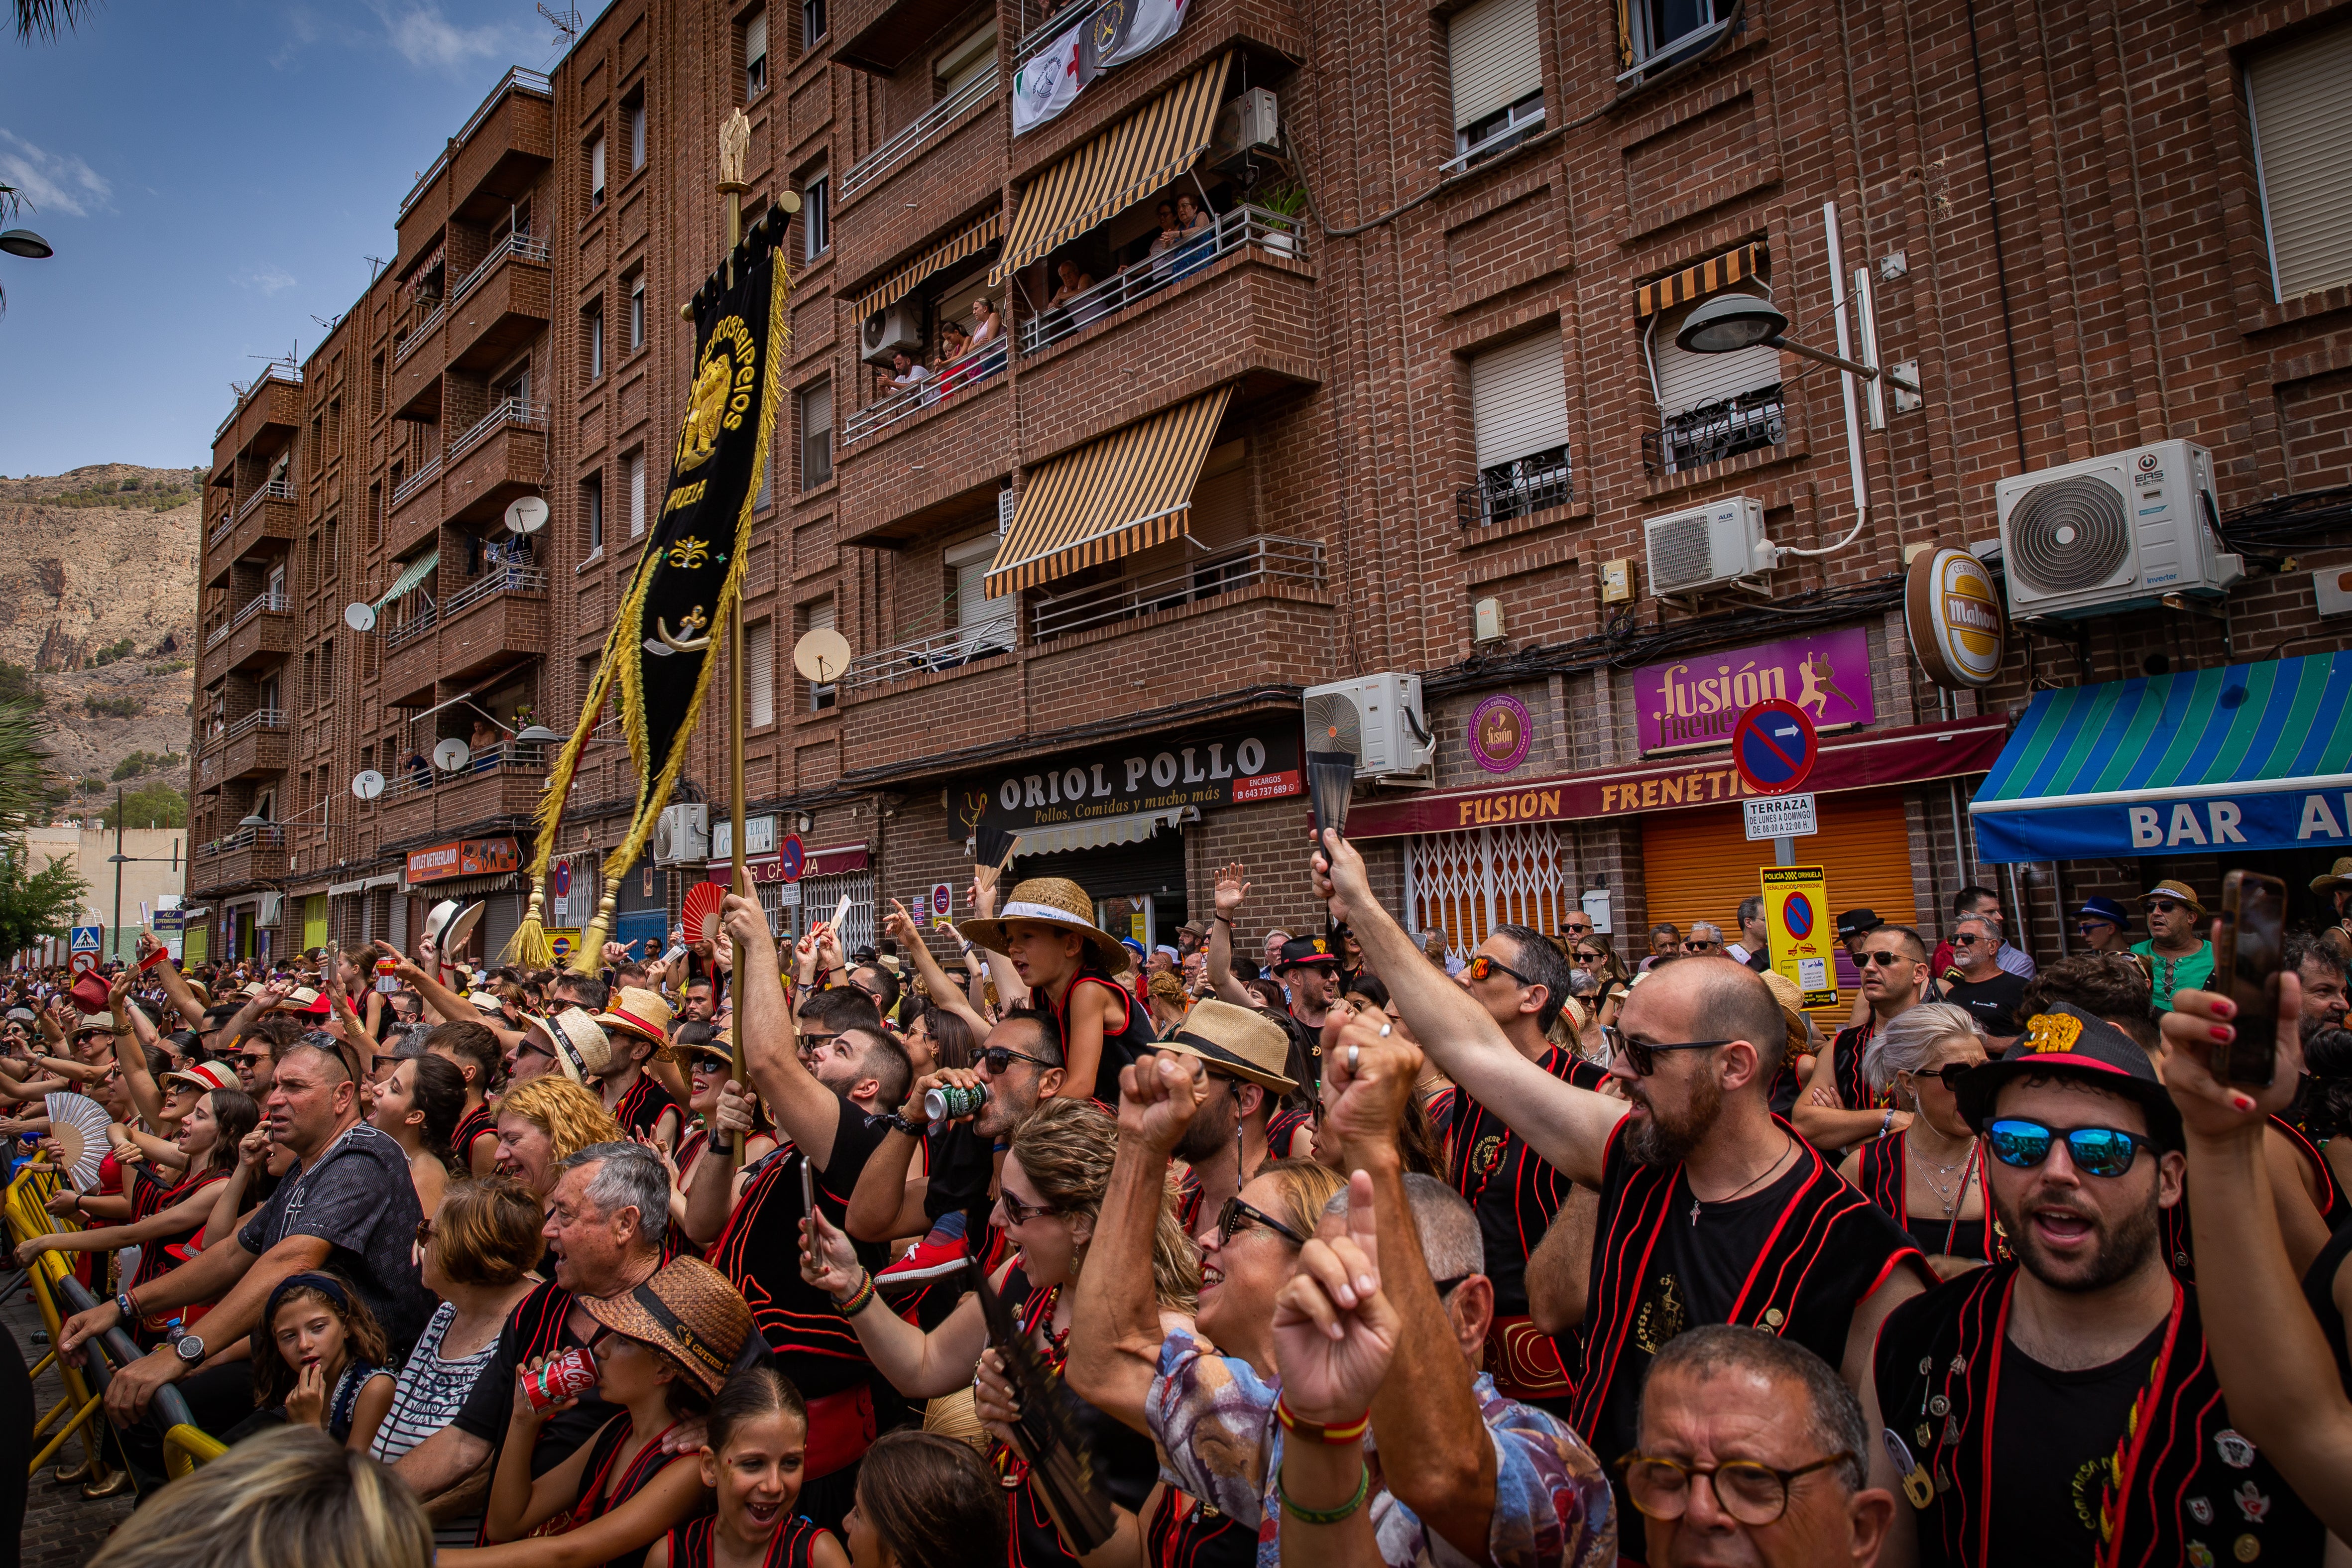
2113	532
1379	718
1705	547
1247	127
887	332
682	835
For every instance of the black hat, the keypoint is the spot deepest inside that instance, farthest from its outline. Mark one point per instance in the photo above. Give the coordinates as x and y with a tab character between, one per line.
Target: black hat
1854	923
2066	1039
1305	950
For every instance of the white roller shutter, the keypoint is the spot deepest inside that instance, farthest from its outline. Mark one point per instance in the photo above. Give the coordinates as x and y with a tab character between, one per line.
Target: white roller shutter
636	494
755	38
1518	400
2302	104
1688	381
760	655
1496	50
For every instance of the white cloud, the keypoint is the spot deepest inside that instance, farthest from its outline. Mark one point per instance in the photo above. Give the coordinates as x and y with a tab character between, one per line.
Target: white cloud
52	182
429	40
270	281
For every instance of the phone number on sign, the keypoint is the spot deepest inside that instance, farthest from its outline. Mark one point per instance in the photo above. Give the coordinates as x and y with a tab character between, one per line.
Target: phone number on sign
1268	786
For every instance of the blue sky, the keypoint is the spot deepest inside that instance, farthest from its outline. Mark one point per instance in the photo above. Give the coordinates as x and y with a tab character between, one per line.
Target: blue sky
213	174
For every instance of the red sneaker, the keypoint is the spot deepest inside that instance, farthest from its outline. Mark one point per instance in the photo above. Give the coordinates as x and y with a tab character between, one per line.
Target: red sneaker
932	1258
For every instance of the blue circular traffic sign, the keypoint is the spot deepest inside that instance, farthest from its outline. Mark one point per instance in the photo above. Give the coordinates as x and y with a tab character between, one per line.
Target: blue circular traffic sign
1775	745
792	857
1797	914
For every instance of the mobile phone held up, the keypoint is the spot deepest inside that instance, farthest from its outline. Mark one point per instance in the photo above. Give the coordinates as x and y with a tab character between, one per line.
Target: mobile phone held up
2248	942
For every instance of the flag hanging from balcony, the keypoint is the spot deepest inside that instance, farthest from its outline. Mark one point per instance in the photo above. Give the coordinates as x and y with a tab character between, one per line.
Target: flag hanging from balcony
660	654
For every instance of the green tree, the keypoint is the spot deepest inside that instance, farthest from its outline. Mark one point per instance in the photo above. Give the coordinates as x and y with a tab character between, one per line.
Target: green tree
34	904
154	802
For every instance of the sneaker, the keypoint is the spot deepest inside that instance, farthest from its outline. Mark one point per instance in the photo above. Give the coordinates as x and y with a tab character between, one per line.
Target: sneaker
932	1258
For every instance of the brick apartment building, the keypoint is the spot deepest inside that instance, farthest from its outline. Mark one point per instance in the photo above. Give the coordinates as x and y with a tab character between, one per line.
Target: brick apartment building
1406	399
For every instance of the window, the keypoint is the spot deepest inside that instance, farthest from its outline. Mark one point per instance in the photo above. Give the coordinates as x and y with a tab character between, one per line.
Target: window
755	56
811	22
591	507
1495	55
759	657
962	65
816	214
637	461
1518	422
986	623
635	110
1657	32
816	436
767	481
596	173
1710	406
636	311
2299	100
596	340
818	617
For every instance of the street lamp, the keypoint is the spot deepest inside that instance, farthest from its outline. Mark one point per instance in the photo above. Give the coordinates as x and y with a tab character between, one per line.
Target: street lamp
1729	322
24	242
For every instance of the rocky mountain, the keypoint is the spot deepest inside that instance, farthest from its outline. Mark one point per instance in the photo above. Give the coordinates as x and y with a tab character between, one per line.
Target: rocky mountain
97	578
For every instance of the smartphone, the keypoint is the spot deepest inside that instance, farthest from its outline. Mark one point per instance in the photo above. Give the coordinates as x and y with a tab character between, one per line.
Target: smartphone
808	1187
2247	946
840	914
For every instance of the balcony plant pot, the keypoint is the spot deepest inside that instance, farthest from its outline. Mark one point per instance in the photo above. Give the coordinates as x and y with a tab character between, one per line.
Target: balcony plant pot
1282	205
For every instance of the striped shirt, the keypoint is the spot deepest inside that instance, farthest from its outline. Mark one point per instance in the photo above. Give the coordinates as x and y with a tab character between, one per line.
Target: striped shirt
430	1390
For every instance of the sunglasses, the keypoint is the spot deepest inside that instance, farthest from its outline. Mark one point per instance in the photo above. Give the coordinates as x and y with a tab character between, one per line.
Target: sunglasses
1484	968
1584	930
424	1232
1690	945
997	1059
1951	1074
2164	906
1235	1214
1018	1213
2094	1150
2092	928
1964	939
1586	955
1642	1054
1888	959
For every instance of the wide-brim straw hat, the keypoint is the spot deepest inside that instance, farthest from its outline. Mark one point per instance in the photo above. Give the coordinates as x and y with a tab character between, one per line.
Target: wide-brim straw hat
2179	891
637	1011
1054	901
581	1048
1241	1041
1792	1008
688	1311
2338	878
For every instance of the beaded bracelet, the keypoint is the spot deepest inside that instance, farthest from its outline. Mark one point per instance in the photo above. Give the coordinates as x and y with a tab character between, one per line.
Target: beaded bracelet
859	1302
1315	1432
1326	1515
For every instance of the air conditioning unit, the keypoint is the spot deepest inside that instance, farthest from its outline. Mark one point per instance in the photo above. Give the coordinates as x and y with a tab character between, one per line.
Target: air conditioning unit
886	332
2111	533
1705	547
1379	718
1247	128
682	835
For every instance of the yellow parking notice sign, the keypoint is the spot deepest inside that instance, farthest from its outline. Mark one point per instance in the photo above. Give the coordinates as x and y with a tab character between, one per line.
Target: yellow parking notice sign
1804	937
563	942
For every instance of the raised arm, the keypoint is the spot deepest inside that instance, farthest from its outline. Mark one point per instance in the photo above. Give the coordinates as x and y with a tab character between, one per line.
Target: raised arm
942	992
920	1365
183	996
806	1112
130	1053
1232	887
1011	991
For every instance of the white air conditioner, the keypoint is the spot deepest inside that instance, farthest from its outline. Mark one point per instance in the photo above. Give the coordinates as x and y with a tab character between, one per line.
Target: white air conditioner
1705	547
886	332
2114	533
1247	127
1379	718
682	835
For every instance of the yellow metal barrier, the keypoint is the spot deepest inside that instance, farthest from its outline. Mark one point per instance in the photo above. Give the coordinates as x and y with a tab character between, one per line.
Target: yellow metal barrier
28	1217
186	1446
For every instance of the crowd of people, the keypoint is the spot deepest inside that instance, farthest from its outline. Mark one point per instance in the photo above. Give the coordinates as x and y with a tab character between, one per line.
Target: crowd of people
1311	1248
961	356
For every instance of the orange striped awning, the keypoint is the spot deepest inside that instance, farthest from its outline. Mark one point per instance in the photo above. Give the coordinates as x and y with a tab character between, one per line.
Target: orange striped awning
1128	492
1712	275
977	235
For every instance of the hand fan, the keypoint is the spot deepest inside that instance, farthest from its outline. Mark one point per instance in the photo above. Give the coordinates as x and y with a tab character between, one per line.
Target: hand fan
699	911
78	1125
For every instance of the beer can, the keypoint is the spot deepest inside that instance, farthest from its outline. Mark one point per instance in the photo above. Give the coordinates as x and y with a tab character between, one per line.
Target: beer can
950	1101
561	1377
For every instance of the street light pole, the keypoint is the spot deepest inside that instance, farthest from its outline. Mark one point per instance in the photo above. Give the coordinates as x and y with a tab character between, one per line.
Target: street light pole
117	858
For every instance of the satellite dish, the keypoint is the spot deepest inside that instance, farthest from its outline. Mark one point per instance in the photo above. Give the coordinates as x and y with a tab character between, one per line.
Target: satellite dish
452	754
367	784
821	656
527	515
359	615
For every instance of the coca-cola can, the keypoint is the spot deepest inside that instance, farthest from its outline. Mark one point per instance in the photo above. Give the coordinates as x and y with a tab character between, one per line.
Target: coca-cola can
948	1101
561	1377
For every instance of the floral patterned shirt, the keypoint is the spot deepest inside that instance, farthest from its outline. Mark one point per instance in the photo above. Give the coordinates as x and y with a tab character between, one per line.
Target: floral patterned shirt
1220	1440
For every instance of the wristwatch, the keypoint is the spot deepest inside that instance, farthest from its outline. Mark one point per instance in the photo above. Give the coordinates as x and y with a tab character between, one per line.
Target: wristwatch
189	1348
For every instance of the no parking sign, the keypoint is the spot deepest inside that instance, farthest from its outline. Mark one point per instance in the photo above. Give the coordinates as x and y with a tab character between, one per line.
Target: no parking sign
1796	911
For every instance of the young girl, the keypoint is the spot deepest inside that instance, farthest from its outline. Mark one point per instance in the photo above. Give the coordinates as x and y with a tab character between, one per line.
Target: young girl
419	1105
319	1355
925	1501
753	1459
1071	966
619	1493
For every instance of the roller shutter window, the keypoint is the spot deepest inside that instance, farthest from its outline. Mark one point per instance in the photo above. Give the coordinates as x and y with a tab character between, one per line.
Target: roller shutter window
818	617
501	913
1494	51
986	624
637	461
1689	381
760	655
2300	100
1519	424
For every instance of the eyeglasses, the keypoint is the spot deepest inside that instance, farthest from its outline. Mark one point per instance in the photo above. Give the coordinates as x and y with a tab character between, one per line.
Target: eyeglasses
1699	945
1964	940
2095	1151
424	1232
2092	928
997	1059
2164	907
1018	1213
1882	959
1751	1493
1642	1054
1586	955
1237	1214
1584	930
1484	967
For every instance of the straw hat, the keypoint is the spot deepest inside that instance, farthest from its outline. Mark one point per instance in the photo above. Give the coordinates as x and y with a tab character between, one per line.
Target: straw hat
204	1076
637	1011
581	1049
1792	1008
1054	901
303	999
94	1024
1241	1041
688	1311
2173	887
2338	878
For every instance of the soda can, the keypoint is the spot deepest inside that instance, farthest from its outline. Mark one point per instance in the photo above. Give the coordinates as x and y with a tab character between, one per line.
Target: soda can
951	1102
561	1377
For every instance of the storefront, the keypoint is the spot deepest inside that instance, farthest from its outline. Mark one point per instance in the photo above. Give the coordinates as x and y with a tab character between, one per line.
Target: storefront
488	870
821	880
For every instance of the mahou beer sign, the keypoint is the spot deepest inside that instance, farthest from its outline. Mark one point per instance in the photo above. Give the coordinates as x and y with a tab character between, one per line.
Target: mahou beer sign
1952	615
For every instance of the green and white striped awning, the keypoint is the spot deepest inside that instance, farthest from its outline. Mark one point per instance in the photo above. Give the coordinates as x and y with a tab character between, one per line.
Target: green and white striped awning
412	573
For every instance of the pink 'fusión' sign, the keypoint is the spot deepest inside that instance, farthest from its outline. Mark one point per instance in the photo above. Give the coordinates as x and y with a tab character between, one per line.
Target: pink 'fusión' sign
1694	702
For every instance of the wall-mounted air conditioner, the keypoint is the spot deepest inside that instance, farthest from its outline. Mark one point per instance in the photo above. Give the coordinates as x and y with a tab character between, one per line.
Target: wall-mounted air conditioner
1379	718
682	835
2113	532
898	329
1705	547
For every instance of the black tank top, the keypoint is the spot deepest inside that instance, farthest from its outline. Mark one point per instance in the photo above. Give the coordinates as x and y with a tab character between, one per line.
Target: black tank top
789	1547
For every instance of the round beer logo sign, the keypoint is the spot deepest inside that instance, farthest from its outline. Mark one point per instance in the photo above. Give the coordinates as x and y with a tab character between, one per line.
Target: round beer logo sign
1953	615
1501	730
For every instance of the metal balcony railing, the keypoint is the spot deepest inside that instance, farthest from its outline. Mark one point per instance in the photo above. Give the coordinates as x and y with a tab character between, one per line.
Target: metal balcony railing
1263	558
419	622
417	481
907	142
494	581
1243	225
259	719
276	489
285	373
949	649
1748	423
424	331
252	607
977	366
510	411
418	774
1516	489
520	244
273	836
527	80
1035	35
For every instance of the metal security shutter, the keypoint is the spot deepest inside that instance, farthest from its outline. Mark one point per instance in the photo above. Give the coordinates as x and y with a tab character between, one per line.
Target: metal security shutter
1466	884
1496	50
1518	399
820	896
2301	102
1688	381
760	654
501	913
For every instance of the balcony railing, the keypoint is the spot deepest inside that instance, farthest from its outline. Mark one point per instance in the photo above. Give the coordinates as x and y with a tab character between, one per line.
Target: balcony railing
521	244
510	411
1264	558
244	838
527	80
417	481
908	141
418	623
1243	225
259	719
253	607
974	367
276	489
1748	423
949	649
493	582
424	331
285	373
1516	489
1035	35
417	774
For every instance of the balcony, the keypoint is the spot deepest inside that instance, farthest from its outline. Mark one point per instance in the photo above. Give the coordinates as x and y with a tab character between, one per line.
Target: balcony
950	649
1751	422
499	306
1263	558
932	123
880	36
501	456
500	785
237	859
926	463
495	621
273	401
263	629
472	167
415	509
1274	234
503	148
266	514
254	746
964	375
417	366
1520	488
411	655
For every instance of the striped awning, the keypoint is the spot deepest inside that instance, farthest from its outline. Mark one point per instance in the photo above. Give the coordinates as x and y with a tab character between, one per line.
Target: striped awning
982	232
1117	168
412	573
1711	275
1128	492
2248	755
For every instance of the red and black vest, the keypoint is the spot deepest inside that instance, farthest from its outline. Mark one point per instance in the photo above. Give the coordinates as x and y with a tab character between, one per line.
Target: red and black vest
477	1122
1885	1179
1845	1067
1126	1034
789	1547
